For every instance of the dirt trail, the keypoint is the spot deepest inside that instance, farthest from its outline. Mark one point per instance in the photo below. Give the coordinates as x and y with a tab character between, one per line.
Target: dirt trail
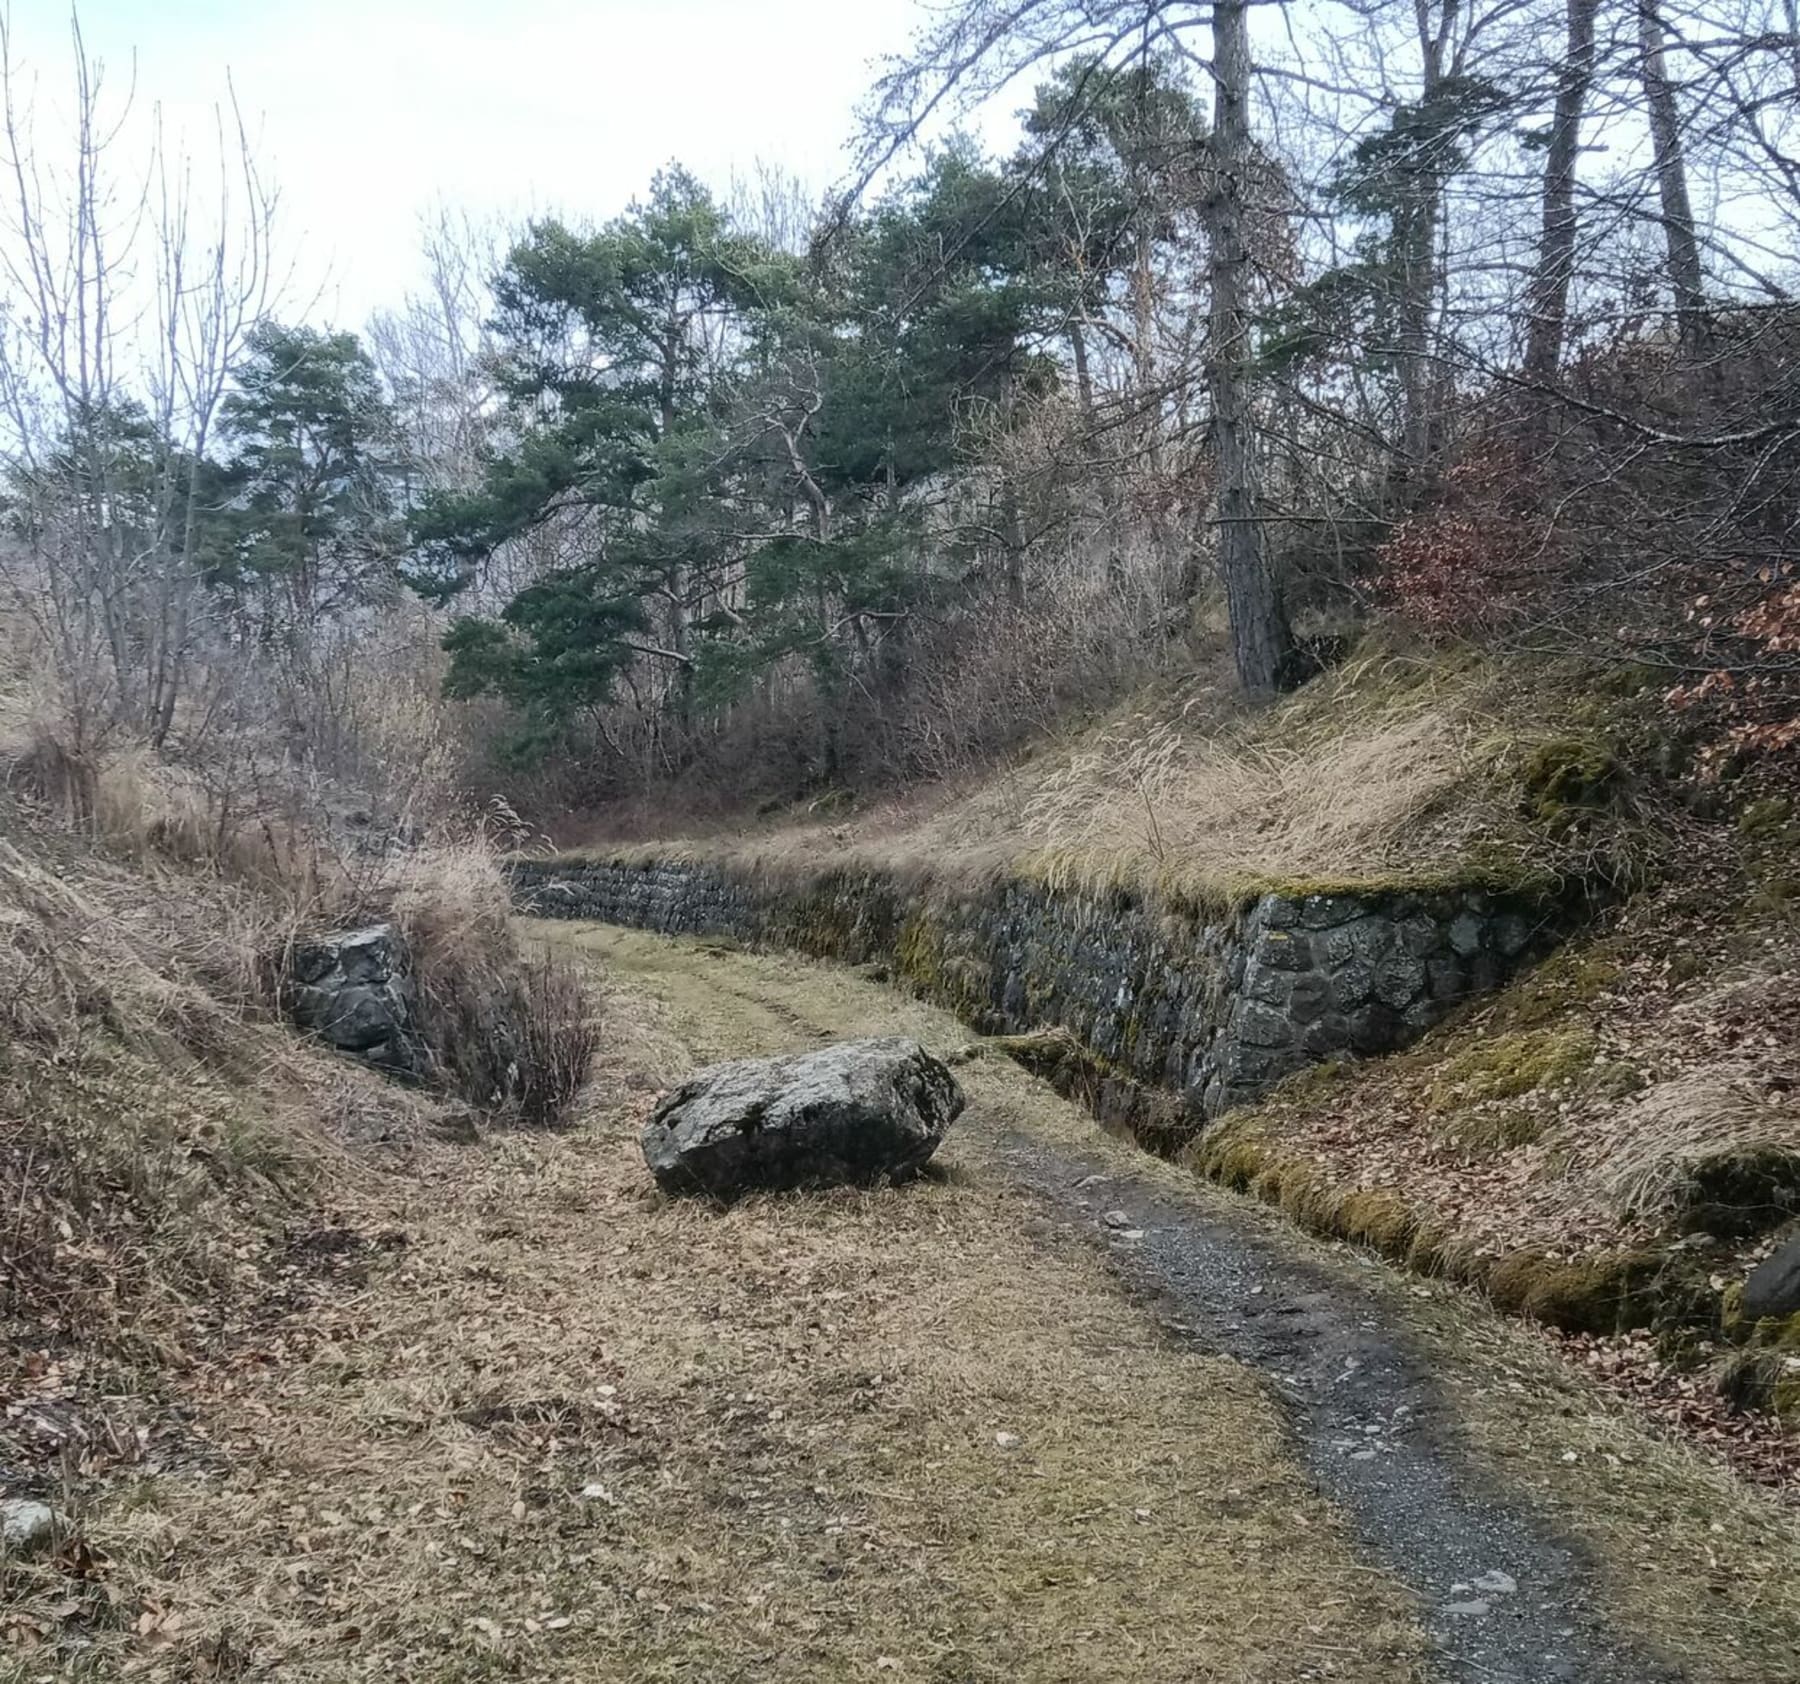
1500	1599
1501	1595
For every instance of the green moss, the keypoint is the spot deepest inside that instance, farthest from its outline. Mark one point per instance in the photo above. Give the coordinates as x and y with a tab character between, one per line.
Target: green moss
1379	1219
1507	1066
1767	818
1497	875
1603	1294
1053	1054
1229	1154
1731	1310
1567	780
941	970
1566	981
1773	1333
1742	1192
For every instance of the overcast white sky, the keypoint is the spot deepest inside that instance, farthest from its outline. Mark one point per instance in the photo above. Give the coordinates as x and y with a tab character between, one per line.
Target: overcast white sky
368	112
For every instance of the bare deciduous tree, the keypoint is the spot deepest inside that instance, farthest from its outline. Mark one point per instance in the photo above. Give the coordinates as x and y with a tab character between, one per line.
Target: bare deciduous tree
131	294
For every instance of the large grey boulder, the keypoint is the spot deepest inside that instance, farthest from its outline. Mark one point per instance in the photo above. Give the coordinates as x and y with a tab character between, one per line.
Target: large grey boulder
859	1112
355	990
1773	1288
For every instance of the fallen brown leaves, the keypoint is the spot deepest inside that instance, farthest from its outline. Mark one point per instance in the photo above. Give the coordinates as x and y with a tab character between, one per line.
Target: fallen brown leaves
1687	1403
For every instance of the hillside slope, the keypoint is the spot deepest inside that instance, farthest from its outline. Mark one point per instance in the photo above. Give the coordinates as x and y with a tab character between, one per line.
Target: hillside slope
1400	764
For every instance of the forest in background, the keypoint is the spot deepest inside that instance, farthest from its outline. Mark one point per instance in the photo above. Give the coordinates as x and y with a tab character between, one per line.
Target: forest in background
1276	321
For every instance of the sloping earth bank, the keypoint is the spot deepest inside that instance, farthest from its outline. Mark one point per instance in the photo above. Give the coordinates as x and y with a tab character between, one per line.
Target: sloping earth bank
526	1420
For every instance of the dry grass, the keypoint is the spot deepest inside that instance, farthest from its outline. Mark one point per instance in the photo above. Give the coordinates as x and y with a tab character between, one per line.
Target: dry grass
508	1031
504	1030
151	1118
1642	1156
1288	794
1657	1517
574	1430
1395	765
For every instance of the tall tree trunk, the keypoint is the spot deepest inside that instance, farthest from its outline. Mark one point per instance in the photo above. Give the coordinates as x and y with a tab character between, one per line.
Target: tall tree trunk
1416	241
1261	639
675	580
1084	378
1143	338
1686	279
1556	247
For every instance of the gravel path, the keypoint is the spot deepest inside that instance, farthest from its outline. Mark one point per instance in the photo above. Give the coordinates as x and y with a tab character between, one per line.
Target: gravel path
1503	1602
1502	1599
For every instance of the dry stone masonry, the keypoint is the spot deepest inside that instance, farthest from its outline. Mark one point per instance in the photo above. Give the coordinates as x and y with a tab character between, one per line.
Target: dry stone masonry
1214	1003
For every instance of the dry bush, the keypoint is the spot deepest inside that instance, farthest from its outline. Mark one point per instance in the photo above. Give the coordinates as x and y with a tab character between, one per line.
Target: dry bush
509	1033
365	700
1650	520
274	874
977	687
561	1041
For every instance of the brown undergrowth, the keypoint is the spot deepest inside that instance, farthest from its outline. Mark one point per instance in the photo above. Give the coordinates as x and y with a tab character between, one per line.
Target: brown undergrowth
166	1142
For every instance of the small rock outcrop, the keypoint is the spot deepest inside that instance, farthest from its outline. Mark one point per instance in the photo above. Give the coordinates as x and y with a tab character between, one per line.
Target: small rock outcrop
858	1112
1773	1288
355	991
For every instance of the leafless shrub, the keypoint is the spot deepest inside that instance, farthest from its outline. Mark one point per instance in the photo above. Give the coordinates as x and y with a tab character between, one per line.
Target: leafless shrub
507	1033
561	1040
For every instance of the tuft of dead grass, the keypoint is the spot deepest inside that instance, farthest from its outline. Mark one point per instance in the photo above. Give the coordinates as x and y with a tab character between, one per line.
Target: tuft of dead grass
1643	1156
511	1032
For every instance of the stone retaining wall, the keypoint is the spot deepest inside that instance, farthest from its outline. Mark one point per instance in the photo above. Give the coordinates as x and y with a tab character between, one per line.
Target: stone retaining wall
1211	1005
